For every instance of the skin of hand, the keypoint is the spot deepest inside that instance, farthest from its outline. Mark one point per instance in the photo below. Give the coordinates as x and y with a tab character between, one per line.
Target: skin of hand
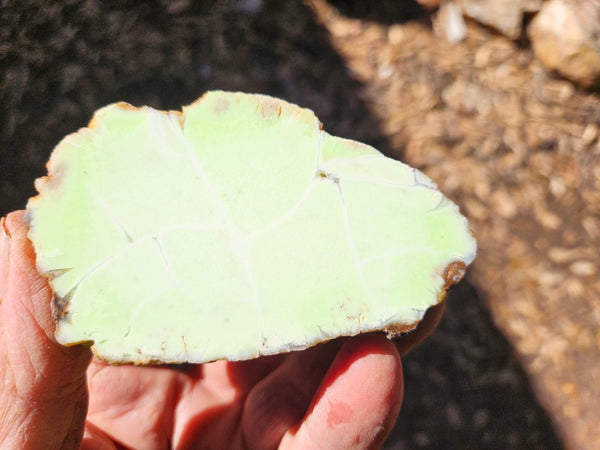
342	394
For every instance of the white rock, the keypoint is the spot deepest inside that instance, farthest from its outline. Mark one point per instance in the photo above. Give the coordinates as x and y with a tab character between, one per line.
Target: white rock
450	23
504	15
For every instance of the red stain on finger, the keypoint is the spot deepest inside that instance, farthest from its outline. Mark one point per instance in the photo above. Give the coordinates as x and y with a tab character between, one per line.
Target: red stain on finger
339	412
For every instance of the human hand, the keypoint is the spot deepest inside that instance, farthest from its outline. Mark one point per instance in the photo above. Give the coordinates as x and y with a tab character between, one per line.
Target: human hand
342	394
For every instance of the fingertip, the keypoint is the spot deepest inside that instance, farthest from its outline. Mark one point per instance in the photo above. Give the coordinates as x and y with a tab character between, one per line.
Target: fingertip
15	230
358	400
374	346
9	226
21	253
280	400
13	221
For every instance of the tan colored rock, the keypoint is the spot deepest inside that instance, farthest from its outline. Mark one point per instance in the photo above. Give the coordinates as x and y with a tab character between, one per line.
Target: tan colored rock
505	16
565	36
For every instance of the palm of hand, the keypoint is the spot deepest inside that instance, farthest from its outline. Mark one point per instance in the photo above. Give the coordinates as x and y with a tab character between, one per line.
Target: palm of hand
261	403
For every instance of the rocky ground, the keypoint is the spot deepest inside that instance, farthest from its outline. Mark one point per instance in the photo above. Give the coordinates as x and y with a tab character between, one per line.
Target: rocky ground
516	360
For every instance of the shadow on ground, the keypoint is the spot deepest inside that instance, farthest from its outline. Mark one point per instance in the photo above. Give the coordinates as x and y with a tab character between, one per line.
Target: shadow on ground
464	387
386	12
60	62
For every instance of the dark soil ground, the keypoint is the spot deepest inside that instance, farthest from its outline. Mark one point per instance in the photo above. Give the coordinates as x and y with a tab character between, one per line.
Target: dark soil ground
380	75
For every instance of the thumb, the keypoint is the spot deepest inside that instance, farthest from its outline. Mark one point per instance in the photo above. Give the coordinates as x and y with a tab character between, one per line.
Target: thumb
44	387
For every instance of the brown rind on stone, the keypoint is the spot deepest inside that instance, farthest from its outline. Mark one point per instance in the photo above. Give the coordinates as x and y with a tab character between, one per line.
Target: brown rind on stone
394	330
87	343
391	331
454	272
270	107
60	306
135	362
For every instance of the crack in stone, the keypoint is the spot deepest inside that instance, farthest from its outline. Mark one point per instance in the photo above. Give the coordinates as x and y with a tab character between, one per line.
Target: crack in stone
114	256
353	249
60	305
173	277
303	197
119	252
319	155
284	217
102	203
144	303
416	181
56	273
386	281
239	244
323	174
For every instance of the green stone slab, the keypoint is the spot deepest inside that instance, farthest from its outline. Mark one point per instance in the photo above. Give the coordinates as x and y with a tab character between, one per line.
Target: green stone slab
234	229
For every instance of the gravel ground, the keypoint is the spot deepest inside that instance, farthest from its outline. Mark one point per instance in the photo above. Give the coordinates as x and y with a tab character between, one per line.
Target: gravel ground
515	147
